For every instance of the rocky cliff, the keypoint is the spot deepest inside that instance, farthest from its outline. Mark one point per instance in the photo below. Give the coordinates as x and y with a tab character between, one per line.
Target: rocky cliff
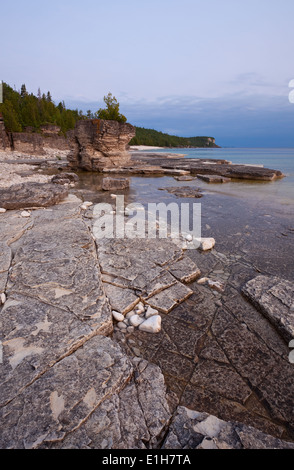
93	144
100	144
35	143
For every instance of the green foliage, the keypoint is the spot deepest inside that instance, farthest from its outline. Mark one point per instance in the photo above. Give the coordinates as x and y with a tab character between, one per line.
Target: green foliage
21	110
159	139
111	112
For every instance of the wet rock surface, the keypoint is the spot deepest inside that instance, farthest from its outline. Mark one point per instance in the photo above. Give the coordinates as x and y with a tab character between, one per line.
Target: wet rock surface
275	299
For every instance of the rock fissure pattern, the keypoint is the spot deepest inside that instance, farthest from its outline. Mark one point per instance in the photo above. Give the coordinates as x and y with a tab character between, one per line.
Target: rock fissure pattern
67	382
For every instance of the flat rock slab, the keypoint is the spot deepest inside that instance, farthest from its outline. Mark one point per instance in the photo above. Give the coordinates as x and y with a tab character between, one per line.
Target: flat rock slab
26	195
214	178
65	396
55	296
193	430
185	270
121	300
274	297
169	298
134	418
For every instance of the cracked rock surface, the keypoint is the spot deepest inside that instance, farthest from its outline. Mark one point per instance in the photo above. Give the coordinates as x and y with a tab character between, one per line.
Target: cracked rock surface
66	381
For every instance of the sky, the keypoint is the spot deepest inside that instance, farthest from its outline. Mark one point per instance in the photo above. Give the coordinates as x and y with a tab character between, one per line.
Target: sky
218	68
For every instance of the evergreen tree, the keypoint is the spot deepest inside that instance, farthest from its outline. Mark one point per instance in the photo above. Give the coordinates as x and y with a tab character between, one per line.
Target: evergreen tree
112	110
23	91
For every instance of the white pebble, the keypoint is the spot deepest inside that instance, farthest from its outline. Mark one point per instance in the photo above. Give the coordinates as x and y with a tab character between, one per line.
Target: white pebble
122	326
130	314
25	214
206	243
140	308
203	280
151	312
2	210
113	196
118	316
189	238
2	299
88	204
152	325
135	320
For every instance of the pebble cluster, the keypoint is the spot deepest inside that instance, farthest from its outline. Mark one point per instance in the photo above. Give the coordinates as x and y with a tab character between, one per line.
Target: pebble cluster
143	317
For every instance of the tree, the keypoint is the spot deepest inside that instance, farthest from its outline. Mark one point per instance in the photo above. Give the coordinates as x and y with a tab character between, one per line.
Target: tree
111	112
23	91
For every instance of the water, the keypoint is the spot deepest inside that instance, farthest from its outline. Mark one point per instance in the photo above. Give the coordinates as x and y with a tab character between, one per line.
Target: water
280	192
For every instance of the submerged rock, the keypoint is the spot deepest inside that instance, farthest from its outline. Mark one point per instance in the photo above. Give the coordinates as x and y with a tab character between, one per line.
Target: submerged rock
183	191
111	184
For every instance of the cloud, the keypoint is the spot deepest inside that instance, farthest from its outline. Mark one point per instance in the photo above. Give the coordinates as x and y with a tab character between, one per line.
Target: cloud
235	119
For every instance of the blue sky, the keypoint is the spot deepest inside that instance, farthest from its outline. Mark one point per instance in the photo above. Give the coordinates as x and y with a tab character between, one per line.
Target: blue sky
191	67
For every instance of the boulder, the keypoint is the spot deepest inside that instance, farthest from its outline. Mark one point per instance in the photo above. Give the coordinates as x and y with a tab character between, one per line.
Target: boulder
24	195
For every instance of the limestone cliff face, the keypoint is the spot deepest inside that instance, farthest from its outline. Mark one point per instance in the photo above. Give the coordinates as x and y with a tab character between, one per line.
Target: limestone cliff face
100	144
35	143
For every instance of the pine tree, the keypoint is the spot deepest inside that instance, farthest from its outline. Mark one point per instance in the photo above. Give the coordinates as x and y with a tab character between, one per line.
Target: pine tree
112	110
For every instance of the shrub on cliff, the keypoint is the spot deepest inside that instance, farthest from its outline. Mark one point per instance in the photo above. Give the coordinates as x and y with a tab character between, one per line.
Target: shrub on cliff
111	113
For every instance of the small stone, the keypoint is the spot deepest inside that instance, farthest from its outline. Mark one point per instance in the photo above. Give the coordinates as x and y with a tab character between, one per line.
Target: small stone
206	243
130	329
2	210
189	238
130	314
25	214
202	281
135	320
140	308
88	204
122	326
216	285
151	312
2	299
137	352
152	325
118	316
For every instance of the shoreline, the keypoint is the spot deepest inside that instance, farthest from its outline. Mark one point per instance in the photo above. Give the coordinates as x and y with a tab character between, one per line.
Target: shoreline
195	350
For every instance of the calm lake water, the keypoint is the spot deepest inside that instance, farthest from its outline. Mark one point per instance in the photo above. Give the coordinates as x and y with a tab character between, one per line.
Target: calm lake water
276	192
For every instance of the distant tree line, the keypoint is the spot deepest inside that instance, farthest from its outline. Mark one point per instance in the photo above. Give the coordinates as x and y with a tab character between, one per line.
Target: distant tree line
21	110
155	138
